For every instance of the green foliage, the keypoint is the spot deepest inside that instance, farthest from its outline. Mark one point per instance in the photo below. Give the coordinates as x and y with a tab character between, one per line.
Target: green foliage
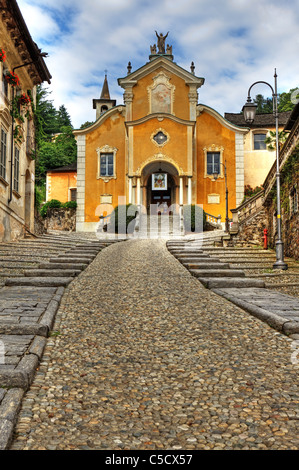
271	139
55	143
288	177
249	191
50	204
70	205
55	204
194	218
40	196
63	118
59	152
126	214
284	102
264	105
86	124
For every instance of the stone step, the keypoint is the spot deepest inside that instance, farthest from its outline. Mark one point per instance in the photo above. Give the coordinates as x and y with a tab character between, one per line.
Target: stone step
69	260
52	272
208	266
198	259
76	266
217	273
242	282
72	254
190	253
39	282
88	252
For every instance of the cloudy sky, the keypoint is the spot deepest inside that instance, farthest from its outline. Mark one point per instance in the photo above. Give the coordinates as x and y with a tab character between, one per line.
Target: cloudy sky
233	43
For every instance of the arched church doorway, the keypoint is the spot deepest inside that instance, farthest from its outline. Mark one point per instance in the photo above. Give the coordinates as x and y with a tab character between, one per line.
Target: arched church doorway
161	188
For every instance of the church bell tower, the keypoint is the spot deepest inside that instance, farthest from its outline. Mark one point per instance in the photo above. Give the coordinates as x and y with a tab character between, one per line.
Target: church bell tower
105	102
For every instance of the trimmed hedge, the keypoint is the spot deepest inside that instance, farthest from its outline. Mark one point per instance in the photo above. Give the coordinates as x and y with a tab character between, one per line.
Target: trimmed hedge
126	214
195	218
54	203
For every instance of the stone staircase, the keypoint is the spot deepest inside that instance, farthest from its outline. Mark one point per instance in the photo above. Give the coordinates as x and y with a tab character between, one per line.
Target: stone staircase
159	226
33	277
34	273
227	272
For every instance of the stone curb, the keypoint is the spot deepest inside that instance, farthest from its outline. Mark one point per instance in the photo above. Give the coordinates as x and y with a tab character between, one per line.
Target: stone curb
9	409
18	381
273	320
279	323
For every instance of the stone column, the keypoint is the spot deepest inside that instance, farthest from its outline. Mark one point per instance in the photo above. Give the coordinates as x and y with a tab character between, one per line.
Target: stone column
130	190
189	190
181	190
138	191
181	203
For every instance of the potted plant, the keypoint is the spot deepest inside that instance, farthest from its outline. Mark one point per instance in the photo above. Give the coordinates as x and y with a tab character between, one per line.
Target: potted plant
2	55
24	100
12	78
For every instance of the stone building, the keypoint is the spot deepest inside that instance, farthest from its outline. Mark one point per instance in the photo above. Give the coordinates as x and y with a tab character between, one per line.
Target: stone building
22	67
258	159
160	149
162	133
61	183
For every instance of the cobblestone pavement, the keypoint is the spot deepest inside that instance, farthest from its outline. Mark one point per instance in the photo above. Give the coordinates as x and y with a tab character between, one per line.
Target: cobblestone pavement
142	356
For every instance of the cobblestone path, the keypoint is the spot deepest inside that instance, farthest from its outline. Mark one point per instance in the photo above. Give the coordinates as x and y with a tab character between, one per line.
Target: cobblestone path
142	356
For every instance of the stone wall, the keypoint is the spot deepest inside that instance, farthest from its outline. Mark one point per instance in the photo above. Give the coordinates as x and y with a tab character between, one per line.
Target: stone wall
251	231
61	219
290	230
39	224
291	238
290	220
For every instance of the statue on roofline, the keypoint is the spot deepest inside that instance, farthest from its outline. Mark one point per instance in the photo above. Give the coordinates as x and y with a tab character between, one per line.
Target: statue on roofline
161	42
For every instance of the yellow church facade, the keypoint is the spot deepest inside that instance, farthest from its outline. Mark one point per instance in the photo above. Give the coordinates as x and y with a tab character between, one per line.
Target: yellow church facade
160	149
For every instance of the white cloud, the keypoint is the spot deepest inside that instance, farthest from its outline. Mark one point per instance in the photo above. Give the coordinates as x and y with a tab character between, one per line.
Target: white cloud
233	44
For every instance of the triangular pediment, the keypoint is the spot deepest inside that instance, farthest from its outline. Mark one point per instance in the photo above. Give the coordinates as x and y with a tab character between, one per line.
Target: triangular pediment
156	64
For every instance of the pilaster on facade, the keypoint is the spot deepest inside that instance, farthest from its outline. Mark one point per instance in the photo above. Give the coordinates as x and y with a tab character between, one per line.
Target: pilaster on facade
80	213
128	101
239	152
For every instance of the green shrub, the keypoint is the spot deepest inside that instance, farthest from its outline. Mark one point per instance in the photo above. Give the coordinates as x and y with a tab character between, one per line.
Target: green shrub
127	214
40	196
50	204
194	218
70	205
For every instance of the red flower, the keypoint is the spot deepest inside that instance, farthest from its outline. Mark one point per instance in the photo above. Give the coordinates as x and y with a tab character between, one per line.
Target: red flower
12	78
2	55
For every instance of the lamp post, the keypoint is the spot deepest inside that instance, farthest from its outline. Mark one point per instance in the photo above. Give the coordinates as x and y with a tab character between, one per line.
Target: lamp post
215	176
249	110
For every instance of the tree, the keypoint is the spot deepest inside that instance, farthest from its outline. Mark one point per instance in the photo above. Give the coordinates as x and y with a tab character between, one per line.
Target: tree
86	124
285	102
271	139
46	115
55	143
63	117
264	105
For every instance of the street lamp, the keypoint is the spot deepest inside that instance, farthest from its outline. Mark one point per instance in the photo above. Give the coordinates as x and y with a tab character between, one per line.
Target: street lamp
249	110
215	176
